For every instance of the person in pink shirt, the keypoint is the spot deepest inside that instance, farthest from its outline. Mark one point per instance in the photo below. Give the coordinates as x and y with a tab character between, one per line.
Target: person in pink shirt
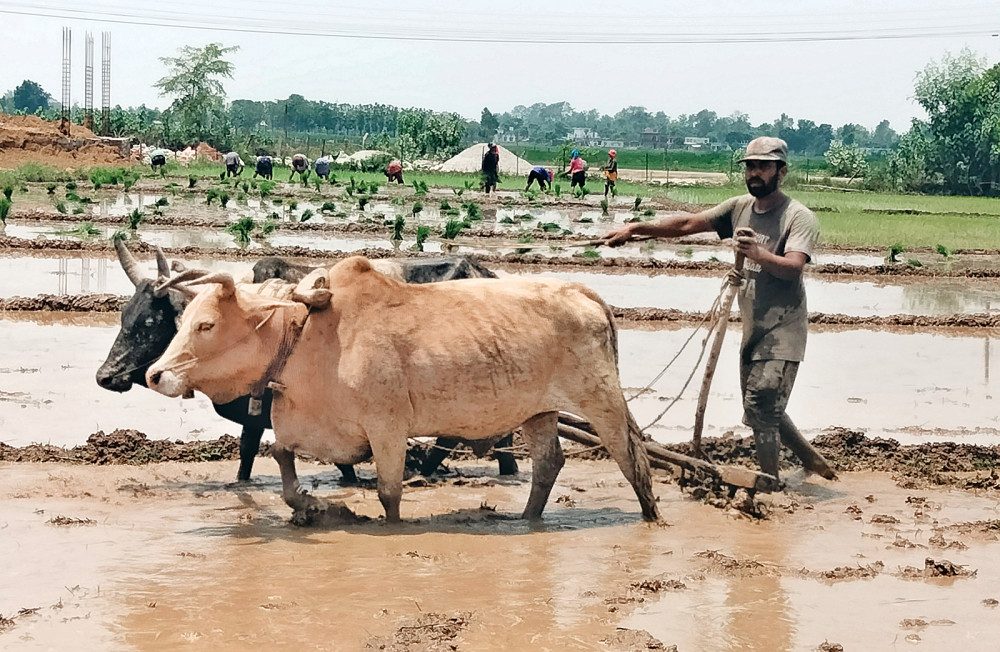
577	170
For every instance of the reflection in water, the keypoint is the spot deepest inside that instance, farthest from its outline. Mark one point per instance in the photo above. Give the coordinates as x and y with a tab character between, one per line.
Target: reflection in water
82	275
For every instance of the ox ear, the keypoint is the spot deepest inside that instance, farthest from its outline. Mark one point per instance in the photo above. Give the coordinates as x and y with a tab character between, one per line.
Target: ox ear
312	289
162	267
223	279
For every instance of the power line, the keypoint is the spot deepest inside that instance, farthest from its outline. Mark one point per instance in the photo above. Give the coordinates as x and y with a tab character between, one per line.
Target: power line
241	25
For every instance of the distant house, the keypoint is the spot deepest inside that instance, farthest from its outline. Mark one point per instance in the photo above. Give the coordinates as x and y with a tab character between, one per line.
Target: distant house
696	142
652	138
590	138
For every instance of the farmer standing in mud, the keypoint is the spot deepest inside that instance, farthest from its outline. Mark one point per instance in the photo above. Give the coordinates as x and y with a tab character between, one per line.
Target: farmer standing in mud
491	168
772	298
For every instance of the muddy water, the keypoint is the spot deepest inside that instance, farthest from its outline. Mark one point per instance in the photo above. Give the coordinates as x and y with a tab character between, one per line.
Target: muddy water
905	296
174	559
901	385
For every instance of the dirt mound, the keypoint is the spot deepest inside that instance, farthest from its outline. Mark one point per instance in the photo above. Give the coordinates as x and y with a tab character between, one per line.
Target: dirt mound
126	447
28	138
206	151
471	160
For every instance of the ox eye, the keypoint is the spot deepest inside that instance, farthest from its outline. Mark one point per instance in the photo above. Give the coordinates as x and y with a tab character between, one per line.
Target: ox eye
205	326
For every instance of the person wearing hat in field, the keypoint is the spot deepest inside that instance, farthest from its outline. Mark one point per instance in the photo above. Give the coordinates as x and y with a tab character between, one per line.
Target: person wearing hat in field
491	168
577	170
234	164
322	166
610	172
394	172
542	175
300	166
157	159
772	296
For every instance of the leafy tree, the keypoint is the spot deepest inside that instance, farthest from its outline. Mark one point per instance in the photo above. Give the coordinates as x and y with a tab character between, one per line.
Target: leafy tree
962	101
884	136
846	160
488	124
194	81
29	97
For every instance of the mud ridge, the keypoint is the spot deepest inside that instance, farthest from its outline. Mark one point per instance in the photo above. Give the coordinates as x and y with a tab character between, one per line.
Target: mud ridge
575	262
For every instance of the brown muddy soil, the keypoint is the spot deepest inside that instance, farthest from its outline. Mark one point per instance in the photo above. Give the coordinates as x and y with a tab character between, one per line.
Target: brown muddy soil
949	464
577	262
169	555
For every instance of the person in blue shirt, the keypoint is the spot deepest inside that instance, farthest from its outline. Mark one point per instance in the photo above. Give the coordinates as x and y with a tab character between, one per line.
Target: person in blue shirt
542	175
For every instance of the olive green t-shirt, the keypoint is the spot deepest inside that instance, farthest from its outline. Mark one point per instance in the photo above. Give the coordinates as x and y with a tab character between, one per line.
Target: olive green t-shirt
773	310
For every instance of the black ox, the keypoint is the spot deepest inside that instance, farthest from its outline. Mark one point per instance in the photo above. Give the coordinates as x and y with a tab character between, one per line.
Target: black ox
149	323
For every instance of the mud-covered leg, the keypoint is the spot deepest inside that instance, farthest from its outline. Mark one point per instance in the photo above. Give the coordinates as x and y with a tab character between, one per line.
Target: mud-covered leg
767	387
293	493
390	461
811	458
540	432
347	471
438	453
624	443
249	447
504	457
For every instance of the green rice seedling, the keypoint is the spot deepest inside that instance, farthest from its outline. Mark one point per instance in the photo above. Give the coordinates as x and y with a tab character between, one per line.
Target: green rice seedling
943	250
614	191
318	183
557	189
686	252
293	204
894	251
577	193
445	205
5	205
526	238
417	207
78	210
332	179
50	188
163	173
82	230
913	262
191	181
634	218
306	215
362	202
211	196
128	180
451	212
423	232
507	219
472	211
604	206
224	198
590	253
241	230
419	188
350	191
161	202
531	195
328	207
372	187
70	185
8	191
222	177
273	215
469	185
549	227
61	206
119	234
268	227
398	200
246	186
278	201
341	214
649	212
352	184
452	228
714	259
397	228
457	191
305	180
134	219
635	203
265	188
524	217
586	220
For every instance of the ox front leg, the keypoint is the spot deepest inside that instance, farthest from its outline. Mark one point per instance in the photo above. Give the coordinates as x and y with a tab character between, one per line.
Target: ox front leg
540	432
303	505
390	461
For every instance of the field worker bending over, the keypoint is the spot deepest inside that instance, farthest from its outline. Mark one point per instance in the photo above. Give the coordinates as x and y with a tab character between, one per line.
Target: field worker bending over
577	170
322	165
234	164
394	172
157	159
772	298
300	166
542	175
263	166
610	172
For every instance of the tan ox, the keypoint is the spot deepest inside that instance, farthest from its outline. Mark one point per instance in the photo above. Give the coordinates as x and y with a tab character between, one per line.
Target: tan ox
386	361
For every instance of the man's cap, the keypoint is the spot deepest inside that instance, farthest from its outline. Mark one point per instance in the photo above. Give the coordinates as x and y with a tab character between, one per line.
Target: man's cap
766	148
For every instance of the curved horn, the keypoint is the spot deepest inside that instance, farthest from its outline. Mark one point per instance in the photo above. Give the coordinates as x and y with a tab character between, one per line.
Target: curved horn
223	279
129	263
162	266
176	281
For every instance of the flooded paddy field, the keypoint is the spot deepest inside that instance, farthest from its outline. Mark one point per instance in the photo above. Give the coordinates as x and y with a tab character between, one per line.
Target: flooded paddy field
908	385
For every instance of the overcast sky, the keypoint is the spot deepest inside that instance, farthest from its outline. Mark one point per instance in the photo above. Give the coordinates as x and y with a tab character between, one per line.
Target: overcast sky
672	56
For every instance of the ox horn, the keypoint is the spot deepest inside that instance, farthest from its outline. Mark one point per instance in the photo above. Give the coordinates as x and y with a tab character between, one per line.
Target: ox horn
176	282
129	263
162	266
223	279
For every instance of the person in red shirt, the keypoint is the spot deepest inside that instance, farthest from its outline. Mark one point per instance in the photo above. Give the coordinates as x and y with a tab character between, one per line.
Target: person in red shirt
394	172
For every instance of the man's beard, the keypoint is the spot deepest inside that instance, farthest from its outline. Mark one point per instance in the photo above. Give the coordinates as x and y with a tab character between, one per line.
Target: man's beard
762	188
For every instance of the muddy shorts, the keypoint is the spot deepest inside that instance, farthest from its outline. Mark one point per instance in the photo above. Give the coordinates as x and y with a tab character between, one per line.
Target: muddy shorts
578	179
766	385
159	159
